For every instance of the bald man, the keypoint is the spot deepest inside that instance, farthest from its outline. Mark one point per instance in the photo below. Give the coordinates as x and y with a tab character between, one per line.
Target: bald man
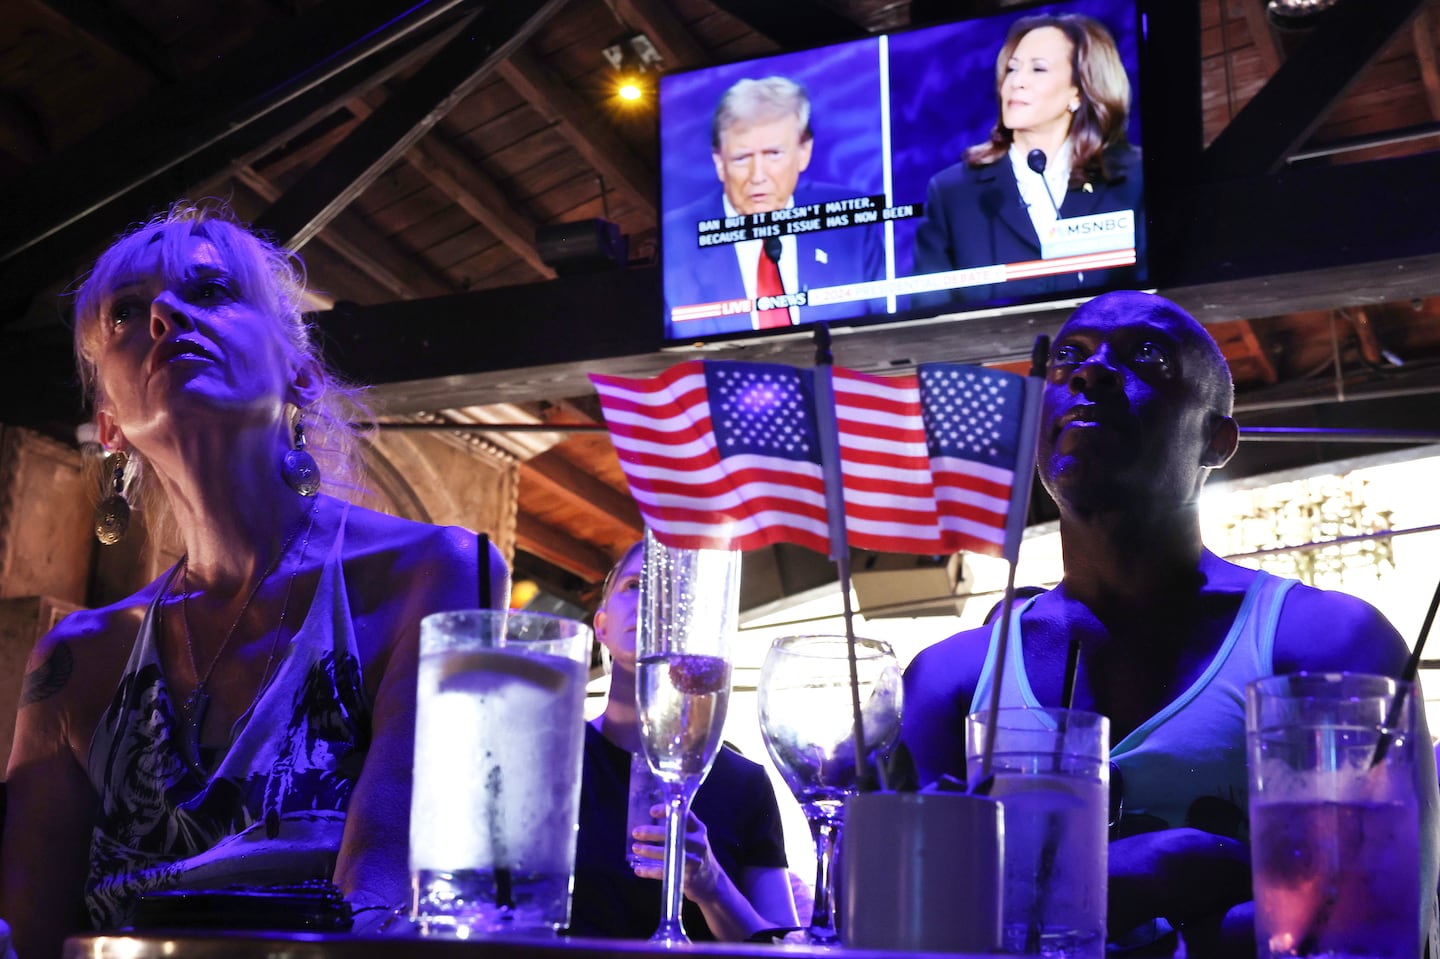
1137	414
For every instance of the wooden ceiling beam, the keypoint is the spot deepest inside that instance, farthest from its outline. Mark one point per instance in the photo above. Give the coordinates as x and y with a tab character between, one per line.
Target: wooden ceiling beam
310	151
560	549
469	188
1423	31
1284	112
57	243
1259	26
336	97
793	24
1257	352
116	31
398	124
173	125
559	476
369	251
581	124
678	49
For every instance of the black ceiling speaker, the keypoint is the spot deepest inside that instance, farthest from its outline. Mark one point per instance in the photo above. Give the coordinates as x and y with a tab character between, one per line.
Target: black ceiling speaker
584	246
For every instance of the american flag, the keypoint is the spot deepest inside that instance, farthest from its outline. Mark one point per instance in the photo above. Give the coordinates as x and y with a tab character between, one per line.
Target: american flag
727	455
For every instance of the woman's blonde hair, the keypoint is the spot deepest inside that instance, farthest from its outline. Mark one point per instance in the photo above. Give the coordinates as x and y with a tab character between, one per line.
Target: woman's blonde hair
269	278
1099	75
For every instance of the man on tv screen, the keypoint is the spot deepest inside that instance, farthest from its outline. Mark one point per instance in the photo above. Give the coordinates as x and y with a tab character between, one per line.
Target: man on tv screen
761	144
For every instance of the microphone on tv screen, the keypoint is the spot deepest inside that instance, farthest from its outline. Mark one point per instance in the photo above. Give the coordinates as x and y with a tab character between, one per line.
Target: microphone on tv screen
773	248
1035	159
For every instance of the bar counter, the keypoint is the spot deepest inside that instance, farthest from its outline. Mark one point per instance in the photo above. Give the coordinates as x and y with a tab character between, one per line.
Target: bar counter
251	945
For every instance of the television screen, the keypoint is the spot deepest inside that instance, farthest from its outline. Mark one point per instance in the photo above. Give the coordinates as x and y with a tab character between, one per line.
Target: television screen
939	171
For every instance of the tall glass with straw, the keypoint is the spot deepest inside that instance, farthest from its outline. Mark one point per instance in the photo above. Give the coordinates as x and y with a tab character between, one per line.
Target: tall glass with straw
689	602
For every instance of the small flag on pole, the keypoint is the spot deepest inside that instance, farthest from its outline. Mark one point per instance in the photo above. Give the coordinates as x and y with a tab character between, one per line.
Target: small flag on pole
726	455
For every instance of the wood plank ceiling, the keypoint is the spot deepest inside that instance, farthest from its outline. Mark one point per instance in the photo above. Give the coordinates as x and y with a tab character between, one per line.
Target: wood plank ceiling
415	150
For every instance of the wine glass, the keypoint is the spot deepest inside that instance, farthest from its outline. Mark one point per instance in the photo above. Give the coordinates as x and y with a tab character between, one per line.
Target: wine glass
689	601
807	721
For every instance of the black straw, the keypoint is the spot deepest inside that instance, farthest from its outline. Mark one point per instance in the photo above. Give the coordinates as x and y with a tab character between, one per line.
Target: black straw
483	573
1412	669
1072	666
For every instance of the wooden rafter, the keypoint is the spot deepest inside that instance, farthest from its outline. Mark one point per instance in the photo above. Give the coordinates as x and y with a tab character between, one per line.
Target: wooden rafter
562	478
677	47
582	126
401	273
134	184
793	24
384	137
1295	99
243	89
1256	351
110	27
560	548
310	151
469	188
1260	35
1423	31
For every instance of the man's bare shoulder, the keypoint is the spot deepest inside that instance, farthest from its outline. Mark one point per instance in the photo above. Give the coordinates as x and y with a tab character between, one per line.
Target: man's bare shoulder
949	666
958	647
1322	629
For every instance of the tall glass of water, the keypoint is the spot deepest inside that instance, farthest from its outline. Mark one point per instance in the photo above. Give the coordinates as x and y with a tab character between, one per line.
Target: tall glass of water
689	602
499	733
807	721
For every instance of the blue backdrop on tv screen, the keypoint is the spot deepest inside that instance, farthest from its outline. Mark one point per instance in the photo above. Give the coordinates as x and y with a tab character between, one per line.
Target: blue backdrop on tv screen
938	85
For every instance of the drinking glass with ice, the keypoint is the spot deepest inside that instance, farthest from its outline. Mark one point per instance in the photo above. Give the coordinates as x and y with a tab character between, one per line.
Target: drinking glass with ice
1334	816
499	734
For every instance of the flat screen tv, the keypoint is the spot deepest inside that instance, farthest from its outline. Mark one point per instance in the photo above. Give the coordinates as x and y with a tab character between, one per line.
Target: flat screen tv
885	204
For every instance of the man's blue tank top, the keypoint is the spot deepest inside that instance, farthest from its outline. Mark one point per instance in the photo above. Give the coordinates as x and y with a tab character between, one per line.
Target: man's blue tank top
1185	765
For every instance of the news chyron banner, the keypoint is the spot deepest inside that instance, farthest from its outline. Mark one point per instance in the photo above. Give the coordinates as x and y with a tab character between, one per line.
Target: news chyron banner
792	221
1101	241
806	218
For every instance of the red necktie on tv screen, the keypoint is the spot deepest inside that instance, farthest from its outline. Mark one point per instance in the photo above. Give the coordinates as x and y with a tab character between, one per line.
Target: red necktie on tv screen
767	283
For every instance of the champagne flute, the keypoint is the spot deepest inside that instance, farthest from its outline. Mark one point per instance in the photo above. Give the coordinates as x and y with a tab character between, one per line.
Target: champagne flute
689	601
807	721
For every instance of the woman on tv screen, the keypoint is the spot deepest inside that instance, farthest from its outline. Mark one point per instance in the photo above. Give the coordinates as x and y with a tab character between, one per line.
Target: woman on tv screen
1058	152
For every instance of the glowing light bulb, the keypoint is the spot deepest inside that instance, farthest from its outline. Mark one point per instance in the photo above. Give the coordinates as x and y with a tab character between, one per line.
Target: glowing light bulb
521	592
629	90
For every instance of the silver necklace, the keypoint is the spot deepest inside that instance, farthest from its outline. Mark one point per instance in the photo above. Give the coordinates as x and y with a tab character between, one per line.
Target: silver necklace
198	702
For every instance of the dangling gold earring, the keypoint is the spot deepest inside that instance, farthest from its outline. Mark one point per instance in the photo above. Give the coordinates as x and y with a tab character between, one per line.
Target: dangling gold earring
112	516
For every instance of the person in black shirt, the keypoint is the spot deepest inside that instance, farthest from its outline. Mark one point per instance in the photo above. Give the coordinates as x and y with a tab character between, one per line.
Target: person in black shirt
736	883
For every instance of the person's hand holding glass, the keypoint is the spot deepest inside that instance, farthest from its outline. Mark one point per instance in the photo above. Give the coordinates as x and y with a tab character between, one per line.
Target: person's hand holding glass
689	601
807	720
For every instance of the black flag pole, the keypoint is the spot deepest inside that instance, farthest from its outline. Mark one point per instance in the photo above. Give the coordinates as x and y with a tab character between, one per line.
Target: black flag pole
1039	359
839	546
